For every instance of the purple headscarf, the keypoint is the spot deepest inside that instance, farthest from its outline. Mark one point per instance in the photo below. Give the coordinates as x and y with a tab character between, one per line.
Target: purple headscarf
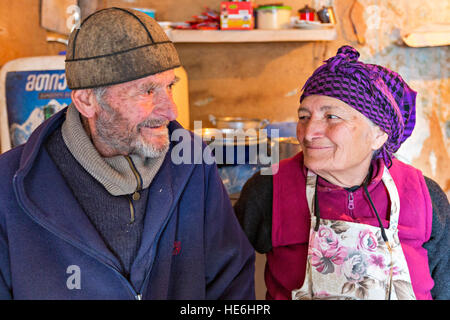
377	92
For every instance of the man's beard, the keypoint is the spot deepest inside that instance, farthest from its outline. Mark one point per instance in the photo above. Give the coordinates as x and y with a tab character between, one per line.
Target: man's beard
113	130
148	150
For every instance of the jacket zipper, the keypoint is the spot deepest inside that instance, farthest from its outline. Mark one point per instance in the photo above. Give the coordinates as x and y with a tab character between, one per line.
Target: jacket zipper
351	203
132	215
137	296
136	195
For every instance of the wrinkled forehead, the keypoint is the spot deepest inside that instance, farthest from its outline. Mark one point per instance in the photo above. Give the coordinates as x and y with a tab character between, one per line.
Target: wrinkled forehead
323	103
160	79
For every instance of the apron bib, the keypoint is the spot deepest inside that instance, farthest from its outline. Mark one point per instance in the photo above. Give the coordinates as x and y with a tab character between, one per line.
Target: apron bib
352	261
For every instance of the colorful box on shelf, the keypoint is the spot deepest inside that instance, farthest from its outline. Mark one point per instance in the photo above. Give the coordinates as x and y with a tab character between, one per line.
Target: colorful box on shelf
236	16
147	11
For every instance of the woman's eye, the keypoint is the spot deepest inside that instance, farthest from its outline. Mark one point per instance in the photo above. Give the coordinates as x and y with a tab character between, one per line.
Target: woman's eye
303	116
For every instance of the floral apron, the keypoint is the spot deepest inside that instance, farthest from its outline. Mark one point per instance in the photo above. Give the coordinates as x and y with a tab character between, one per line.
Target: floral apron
348	260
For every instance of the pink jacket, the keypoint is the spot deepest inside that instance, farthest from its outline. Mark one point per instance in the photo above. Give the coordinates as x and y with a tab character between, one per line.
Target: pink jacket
286	262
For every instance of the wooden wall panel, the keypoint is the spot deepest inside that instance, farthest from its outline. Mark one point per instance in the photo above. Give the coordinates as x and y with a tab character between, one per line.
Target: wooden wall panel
20	32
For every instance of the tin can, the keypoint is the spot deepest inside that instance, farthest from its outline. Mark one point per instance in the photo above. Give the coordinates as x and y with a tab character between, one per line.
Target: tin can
326	15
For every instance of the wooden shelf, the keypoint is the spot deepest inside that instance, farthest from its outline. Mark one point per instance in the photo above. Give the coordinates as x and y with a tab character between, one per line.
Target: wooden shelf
236	36
430	35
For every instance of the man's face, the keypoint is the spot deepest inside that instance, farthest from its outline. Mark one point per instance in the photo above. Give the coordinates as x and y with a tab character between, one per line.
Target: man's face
133	116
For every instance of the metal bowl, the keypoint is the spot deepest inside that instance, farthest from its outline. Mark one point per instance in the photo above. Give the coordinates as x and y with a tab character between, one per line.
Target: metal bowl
236	146
238	122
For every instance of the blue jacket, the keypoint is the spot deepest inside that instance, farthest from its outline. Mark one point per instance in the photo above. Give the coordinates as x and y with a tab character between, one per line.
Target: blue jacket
192	245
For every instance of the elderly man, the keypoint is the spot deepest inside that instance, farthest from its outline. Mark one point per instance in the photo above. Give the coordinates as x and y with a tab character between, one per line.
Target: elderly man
92	207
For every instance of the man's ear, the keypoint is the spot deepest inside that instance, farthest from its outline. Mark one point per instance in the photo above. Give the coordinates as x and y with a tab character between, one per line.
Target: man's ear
380	137
85	102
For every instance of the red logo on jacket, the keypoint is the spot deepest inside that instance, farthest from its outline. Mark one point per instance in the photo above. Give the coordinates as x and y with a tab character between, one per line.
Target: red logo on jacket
176	248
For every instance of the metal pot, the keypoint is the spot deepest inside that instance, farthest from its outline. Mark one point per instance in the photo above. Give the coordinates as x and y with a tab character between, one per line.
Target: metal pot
238	122
287	146
233	147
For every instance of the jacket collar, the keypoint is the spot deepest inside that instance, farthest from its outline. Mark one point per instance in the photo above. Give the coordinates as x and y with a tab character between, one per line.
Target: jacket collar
53	206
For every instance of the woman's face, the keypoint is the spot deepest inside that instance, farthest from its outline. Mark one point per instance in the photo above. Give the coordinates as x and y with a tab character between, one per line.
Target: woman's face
334	136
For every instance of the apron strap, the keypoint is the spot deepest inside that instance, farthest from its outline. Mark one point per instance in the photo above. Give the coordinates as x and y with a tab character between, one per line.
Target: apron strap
311	196
395	198
311	186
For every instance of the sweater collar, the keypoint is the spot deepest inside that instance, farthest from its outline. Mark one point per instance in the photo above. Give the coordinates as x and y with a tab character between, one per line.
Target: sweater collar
120	175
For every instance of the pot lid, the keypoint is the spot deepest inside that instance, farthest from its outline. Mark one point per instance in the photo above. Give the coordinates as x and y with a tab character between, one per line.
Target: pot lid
228	136
306	9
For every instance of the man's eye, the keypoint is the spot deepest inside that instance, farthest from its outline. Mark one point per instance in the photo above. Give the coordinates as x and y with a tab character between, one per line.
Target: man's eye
149	91
332	116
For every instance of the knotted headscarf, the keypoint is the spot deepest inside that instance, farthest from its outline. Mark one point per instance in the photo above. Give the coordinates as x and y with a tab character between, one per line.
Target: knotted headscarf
378	93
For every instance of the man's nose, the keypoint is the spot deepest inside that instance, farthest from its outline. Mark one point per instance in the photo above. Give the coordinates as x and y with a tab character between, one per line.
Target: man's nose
166	107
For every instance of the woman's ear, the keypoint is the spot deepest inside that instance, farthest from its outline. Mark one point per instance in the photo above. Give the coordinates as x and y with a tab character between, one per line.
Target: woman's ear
85	102
379	137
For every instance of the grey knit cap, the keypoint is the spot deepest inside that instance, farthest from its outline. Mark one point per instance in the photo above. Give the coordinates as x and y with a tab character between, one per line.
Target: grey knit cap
117	45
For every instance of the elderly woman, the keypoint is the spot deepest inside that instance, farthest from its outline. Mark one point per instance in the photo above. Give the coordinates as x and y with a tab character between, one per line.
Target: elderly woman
344	219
